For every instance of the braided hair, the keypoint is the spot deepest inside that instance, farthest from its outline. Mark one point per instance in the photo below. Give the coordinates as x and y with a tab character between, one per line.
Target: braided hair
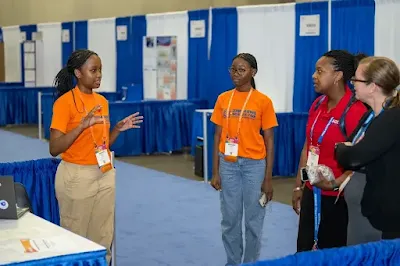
64	80
251	60
345	62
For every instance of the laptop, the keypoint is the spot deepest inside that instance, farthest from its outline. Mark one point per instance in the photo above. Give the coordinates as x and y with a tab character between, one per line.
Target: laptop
8	201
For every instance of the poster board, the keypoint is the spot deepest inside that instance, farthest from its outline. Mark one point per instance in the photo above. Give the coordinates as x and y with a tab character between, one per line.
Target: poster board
160	67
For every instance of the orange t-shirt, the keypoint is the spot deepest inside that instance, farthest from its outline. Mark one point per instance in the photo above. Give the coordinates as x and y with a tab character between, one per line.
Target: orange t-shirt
259	114
68	111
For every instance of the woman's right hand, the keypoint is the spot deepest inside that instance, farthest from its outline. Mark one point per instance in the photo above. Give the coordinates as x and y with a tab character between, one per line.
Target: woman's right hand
216	182
296	200
90	119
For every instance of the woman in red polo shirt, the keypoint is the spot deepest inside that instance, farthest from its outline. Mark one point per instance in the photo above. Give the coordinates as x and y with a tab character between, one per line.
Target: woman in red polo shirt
332	119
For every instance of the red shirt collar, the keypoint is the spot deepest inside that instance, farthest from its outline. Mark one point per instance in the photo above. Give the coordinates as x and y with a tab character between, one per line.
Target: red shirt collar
337	111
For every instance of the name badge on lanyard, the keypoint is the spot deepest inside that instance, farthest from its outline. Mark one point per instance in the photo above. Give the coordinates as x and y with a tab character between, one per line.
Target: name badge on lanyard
312	160
100	151
314	151
232	143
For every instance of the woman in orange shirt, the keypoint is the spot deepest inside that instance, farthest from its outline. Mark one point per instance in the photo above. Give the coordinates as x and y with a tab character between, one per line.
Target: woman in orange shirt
80	132
242	170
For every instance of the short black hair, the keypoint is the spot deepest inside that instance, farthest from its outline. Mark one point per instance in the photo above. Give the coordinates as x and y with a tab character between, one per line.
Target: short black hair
252	61
345	62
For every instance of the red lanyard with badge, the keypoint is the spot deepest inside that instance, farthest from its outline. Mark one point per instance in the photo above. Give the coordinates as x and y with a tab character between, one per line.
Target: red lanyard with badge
101	151
312	160
232	144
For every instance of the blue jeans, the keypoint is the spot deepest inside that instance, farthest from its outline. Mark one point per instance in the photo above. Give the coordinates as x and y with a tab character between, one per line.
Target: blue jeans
241	183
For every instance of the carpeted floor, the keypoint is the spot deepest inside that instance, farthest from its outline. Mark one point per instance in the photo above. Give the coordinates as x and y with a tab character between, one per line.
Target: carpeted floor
165	220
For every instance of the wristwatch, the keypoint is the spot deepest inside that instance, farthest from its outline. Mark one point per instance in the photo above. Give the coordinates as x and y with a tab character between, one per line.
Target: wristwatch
335	187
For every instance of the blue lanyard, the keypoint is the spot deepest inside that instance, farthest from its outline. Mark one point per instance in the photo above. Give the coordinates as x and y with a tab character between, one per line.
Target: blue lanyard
317	191
323	132
317	213
364	127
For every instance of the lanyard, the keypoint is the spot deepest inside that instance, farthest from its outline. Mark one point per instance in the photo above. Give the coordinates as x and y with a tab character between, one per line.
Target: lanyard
241	112
364	127
323	132
317	214
91	127
317	191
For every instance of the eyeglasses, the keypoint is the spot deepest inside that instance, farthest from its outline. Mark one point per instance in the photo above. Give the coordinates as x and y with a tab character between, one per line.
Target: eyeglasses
354	80
240	71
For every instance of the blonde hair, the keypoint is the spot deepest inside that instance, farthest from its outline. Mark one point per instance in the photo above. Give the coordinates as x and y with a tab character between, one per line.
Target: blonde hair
384	73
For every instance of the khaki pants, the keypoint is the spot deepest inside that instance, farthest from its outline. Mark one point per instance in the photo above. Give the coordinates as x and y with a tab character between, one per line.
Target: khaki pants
86	199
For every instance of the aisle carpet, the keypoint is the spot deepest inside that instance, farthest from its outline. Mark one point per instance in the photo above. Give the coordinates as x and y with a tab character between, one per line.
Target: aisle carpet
167	220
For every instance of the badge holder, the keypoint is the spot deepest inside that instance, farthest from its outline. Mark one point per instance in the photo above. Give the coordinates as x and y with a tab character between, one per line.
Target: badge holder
231	149
103	158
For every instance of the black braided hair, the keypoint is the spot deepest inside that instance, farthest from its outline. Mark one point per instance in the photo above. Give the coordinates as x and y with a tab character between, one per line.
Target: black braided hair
64	81
345	62
251	60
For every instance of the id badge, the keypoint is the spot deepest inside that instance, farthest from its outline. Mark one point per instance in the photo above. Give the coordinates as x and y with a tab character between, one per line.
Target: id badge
102	156
231	147
313	156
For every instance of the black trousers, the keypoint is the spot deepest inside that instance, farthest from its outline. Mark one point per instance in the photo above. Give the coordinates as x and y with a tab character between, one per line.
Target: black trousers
333	226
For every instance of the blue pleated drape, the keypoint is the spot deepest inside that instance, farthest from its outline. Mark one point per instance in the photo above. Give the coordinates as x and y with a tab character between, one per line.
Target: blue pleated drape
124	54
29	30
38	178
223	50
353	25
1	35
67	47
308	49
81	35
375	253
198	58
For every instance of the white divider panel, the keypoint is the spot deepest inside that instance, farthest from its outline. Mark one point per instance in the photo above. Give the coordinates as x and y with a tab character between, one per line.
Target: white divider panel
48	53
268	33
171	24
101	39
12	53
387	29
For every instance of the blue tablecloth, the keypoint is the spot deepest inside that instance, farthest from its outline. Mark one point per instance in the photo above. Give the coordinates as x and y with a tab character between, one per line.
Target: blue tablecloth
19	105
167	125
289	141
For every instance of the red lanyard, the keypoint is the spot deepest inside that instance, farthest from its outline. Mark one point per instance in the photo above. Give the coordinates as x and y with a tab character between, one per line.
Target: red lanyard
91	127
241	112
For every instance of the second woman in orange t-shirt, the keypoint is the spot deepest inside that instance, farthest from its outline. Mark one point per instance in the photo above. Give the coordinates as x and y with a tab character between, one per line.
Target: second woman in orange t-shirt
243	159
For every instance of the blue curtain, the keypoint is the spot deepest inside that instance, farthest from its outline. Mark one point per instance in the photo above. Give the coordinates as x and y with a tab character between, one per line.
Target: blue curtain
81	35
223	50
198	58
375	253
124	54
38	178
67	47
1	35
28	29
308	49
353	25
139	30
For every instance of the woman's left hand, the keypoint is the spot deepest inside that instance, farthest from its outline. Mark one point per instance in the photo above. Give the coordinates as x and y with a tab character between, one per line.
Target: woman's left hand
267	188
129	122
